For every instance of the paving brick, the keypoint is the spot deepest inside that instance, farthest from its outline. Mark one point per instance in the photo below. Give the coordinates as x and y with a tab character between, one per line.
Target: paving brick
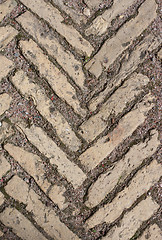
4	166
152	232
20	225
5	101
6	131
5	66
1	199
66	59
56	79
31	163
149	43
120	170
148	176
46	146
6	8
127	125
53	16
44	105
6	35
115	105
56	195
113	47
42	214
132	220
102	22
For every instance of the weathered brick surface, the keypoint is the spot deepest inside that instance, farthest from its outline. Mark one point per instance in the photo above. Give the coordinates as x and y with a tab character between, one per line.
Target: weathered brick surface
79	119
124	37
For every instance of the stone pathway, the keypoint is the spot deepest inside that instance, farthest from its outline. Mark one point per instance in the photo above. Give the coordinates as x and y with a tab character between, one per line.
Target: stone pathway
80	104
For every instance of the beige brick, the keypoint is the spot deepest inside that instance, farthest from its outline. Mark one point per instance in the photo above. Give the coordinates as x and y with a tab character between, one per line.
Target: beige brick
115	105
6	8
153	232
6	35
1	199
132	220
5	101
20	225
4	166
149	43
46	146
43	215
56	195
127	125
44	104
102	22
66	59
31	163
5	131
5	66
140	184
113	47
160	53
52	15
56	79
120	170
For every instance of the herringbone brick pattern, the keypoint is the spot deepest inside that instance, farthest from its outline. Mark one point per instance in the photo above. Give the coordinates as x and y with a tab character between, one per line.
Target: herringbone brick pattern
80	119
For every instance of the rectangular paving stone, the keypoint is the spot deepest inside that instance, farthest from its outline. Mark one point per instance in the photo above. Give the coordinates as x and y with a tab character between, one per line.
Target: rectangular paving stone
114	105
127	125
140	184
120	170
56	195
113	47
28	88
149	43
56	79
152	232
6	7
6	35
5	101
132	220
53	16
6	131
5	66
56	156
4	166
31	163
43	215
20	225
102	22
65	58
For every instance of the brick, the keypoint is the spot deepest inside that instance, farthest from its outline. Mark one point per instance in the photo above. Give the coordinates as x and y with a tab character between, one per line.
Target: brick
102	22
120	170
6	131
31	163
132	221
1	199
7	66
42	214
149	43
56	195
127	125
66	59
5	101
20	225
44	105
6	8
4	166
113	47
53	16
56	79
114	105
46	146
148	176
6	35
152	232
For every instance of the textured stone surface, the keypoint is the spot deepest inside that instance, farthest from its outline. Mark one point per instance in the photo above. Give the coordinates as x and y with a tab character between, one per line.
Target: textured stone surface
6	7
152	232
4	165
1	198
5	101
5	66
6	35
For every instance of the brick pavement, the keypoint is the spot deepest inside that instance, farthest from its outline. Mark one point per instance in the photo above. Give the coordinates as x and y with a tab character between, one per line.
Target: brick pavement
80	120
